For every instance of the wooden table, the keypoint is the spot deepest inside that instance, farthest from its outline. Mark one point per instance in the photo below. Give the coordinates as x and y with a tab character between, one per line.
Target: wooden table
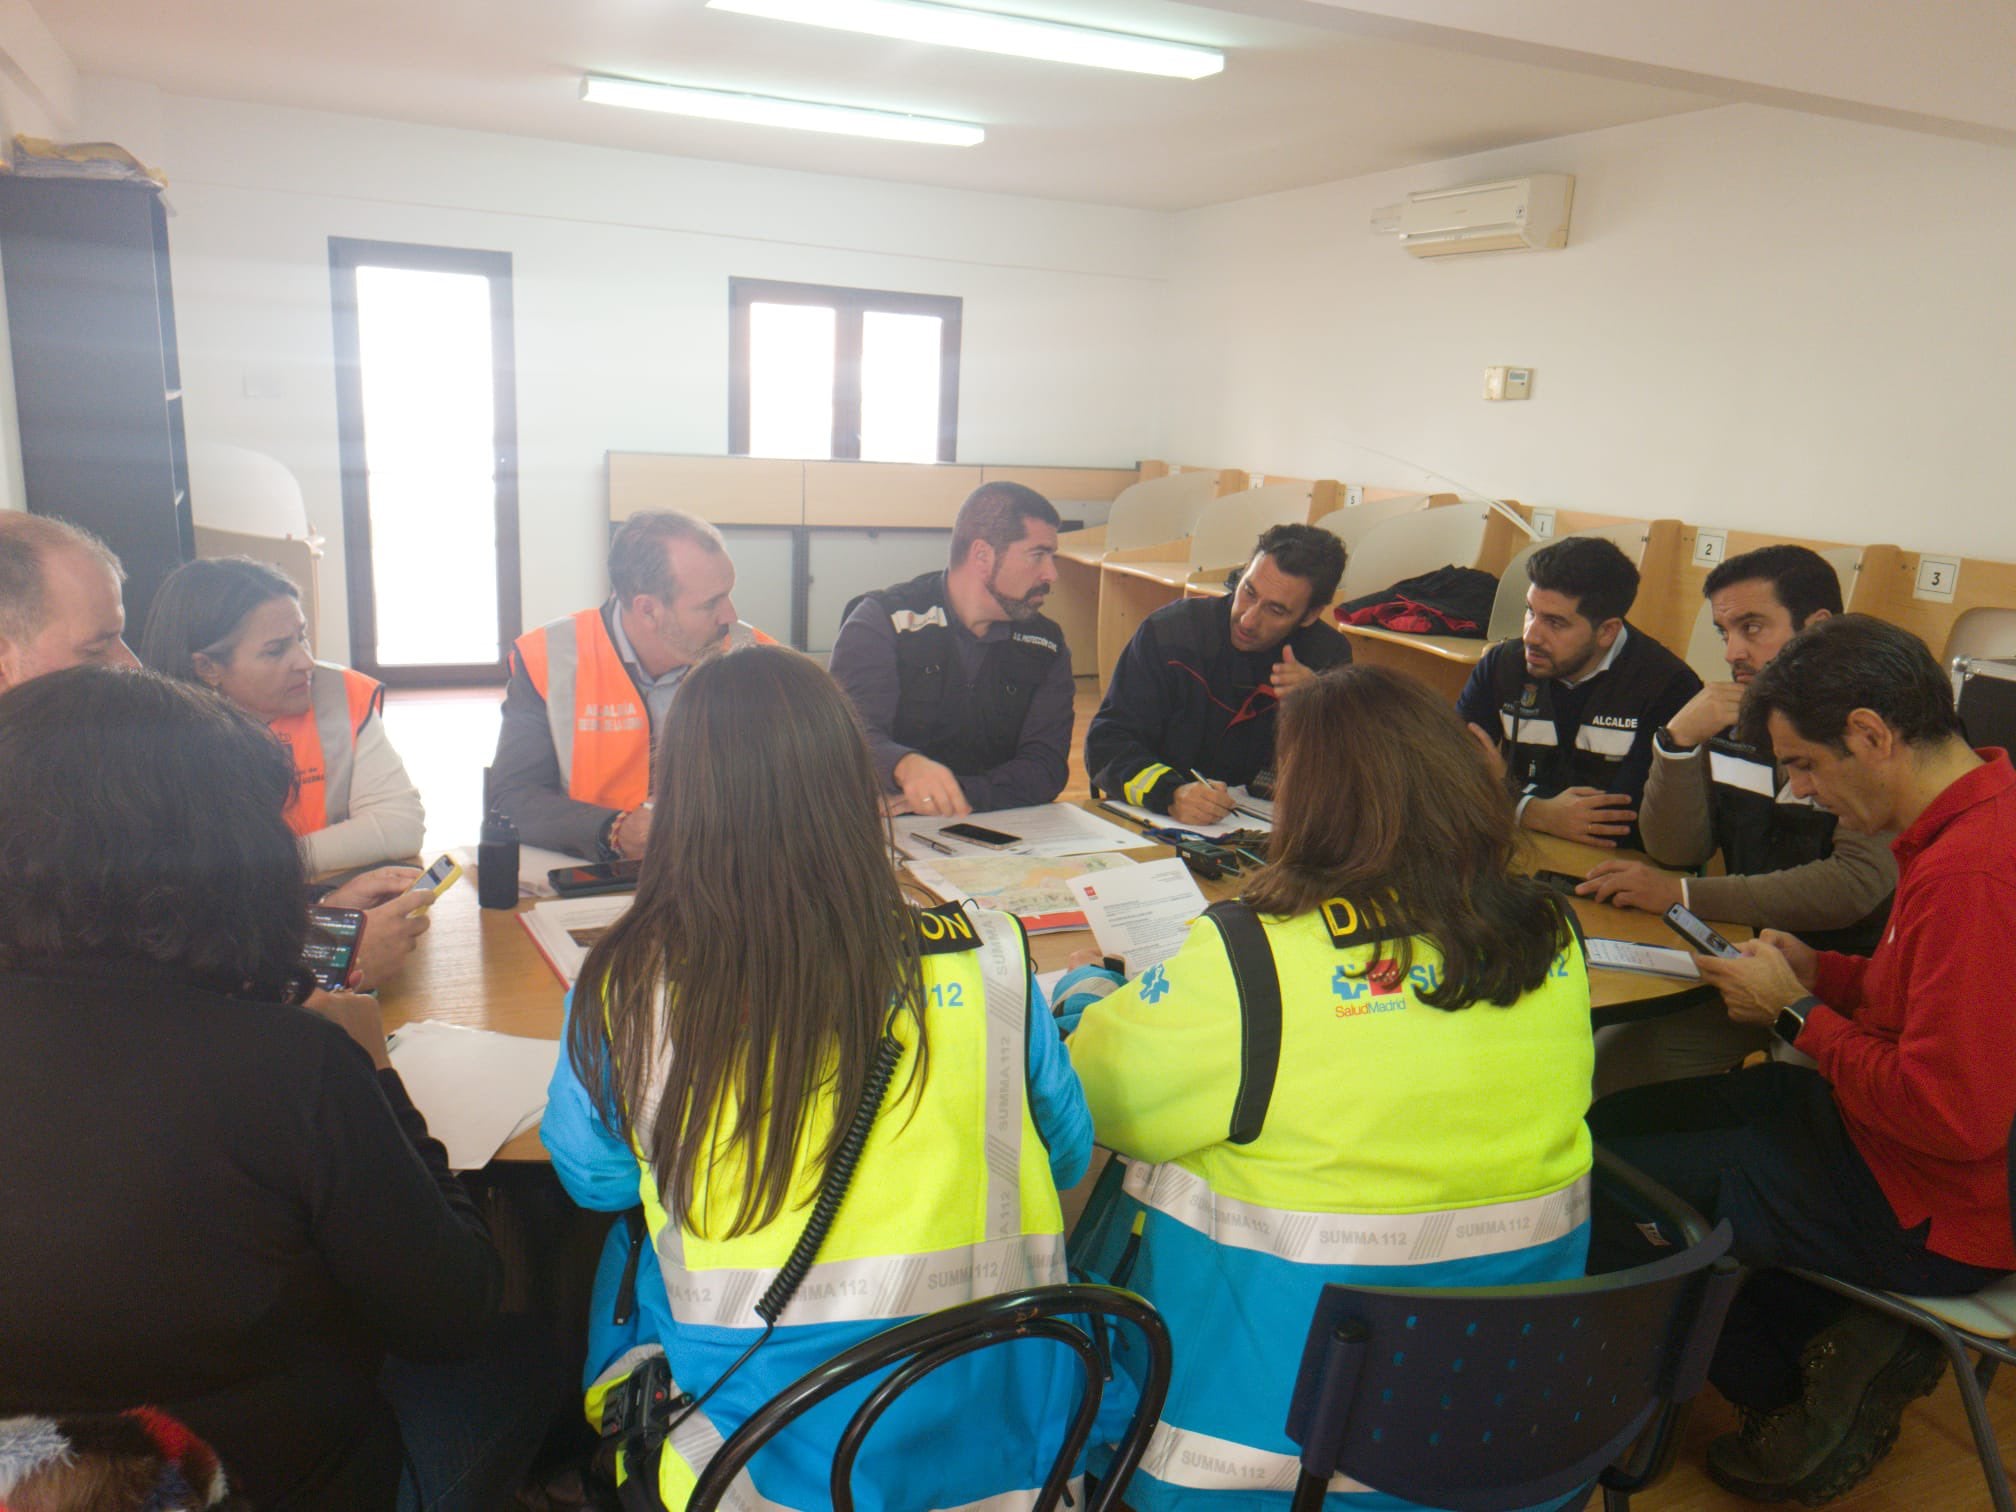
479	968
1444	662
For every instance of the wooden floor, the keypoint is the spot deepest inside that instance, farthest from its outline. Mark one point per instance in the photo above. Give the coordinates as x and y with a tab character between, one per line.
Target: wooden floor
447	738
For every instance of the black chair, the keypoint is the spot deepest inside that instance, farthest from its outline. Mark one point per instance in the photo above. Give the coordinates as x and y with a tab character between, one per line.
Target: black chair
1984	1321
1493	1398
920	1346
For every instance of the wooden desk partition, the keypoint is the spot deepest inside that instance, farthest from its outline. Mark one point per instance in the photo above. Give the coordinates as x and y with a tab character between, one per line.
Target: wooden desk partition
804	497
1889	587
885	495
721	490
833	495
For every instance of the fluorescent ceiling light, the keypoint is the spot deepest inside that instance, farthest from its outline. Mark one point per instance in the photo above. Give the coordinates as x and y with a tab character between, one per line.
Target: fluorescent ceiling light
986	31
768	110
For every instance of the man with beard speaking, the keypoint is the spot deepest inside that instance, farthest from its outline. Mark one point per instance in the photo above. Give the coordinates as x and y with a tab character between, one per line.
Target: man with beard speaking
962	683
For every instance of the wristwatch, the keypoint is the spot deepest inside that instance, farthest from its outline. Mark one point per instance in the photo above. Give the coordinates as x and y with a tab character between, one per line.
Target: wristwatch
1663	738
1792	1018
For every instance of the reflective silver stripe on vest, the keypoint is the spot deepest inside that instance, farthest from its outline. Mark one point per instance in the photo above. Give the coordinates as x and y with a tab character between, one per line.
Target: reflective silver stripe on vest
1748	776
563	658
1358	1238
1007	983
874	1288
741	634
902	1286
1183	1457
330	691
1605	740
1529	729
697	1441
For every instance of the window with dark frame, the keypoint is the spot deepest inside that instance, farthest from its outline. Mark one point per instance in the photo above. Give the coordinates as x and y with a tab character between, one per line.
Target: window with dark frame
427	426
848	374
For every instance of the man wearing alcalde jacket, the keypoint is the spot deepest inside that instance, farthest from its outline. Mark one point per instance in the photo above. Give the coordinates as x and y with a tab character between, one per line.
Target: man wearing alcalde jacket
1570	708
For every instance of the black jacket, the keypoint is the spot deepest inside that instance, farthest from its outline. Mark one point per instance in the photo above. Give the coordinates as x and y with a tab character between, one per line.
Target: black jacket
1183	697
1596	734
969	728
217	1207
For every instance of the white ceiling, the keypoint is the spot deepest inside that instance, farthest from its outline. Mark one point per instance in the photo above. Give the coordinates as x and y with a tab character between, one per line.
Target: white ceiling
1296	105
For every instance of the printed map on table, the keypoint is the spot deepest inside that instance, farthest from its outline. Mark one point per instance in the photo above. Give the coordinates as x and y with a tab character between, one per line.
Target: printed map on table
1034	888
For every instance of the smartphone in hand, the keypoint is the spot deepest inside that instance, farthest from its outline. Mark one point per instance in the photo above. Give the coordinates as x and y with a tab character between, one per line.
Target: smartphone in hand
331	947
436	880
1686	924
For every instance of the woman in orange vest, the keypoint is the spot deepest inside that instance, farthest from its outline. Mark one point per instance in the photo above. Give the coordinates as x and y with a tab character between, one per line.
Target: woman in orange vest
235	625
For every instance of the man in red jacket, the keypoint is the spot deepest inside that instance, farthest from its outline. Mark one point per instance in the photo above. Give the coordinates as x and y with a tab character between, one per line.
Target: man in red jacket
1887	1166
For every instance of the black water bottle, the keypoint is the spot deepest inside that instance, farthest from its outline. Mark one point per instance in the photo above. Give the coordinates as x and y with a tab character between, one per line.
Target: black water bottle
497	862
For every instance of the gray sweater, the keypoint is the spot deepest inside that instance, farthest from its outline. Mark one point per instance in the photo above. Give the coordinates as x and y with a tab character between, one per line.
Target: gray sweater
1676	819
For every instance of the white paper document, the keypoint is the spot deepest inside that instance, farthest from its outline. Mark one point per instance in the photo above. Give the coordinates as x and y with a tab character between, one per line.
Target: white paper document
477	1090
1252	814
1141	913
565	928
1044	829
1647	960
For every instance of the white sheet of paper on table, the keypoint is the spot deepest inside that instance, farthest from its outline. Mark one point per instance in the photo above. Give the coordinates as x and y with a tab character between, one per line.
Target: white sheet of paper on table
1646	960
1239	819
1044	829
1141	913
476	1090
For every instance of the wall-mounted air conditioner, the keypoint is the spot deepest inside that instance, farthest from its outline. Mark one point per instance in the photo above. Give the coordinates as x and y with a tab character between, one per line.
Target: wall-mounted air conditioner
1512	215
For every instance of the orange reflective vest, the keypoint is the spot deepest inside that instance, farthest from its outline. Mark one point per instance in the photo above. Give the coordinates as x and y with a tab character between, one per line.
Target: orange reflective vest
601	728
323	743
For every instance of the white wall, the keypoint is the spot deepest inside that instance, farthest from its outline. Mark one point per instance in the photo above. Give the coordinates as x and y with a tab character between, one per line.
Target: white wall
1765	319
621	264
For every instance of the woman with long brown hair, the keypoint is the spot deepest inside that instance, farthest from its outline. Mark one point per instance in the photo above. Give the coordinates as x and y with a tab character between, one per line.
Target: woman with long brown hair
1403	1107
768	984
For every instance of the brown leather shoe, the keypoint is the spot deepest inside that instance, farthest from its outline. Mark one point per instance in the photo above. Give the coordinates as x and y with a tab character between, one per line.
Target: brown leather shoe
1859	1374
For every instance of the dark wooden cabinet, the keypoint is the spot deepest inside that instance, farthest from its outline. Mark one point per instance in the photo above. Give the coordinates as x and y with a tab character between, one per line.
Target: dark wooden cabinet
91	319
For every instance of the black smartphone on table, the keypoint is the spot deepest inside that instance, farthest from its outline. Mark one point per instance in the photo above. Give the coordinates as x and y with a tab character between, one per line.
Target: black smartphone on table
1689	926
594	877
979	834
331	947
1559	881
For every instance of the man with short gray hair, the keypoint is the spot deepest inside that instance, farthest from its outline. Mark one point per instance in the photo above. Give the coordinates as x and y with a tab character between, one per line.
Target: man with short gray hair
589	692
59	599
963	685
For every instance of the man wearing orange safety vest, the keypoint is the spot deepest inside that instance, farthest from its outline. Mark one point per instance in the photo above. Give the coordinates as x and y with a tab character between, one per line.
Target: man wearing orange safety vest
588	693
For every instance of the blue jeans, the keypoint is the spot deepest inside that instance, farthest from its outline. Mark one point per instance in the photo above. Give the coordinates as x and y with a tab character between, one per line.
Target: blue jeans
1766	1149
472	1428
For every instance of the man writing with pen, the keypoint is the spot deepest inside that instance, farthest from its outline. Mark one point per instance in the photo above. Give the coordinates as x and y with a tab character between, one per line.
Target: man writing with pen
1189	713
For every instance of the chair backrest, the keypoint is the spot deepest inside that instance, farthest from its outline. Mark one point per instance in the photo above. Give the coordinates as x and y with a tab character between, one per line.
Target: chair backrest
1483	1400
1410	544
919	1347
1985	695
1159	509
1508	606
1351	523
1704	646
1228	527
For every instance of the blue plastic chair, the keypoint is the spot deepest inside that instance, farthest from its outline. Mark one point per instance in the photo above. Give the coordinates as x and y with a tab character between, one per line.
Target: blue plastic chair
1495	1398
923	1344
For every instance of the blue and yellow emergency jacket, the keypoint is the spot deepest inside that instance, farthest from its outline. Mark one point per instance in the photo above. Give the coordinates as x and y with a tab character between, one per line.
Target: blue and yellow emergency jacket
955	1197
1403	1145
